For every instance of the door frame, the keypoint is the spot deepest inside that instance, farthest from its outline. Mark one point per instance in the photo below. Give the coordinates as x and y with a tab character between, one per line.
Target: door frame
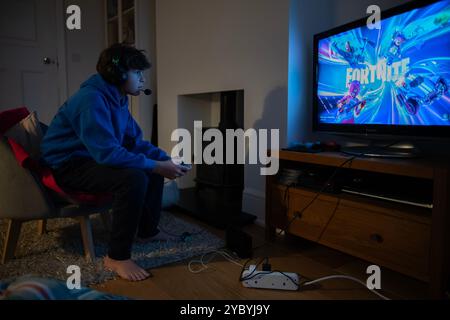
61	51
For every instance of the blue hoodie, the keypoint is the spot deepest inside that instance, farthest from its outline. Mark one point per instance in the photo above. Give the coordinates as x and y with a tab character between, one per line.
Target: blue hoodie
95	123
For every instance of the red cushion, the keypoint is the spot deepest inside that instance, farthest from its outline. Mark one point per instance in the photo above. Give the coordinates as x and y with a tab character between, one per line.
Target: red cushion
8	119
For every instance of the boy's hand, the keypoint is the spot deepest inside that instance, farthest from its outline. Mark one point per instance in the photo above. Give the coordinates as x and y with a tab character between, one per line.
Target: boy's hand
168	169
185	167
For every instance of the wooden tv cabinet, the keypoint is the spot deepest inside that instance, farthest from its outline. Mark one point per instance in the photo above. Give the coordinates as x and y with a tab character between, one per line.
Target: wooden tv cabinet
409	239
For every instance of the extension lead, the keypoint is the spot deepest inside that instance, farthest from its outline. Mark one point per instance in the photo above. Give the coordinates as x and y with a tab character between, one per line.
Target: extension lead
289	281
279	280
283	280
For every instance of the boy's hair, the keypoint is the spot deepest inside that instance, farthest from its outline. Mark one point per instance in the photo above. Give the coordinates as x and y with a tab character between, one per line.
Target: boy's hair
114	62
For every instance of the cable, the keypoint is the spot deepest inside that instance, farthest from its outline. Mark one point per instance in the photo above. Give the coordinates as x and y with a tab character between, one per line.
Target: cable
245	264
204	265
326	184
286	192
325	228
339	198
296	216
253	274
286	199
307	283
344	277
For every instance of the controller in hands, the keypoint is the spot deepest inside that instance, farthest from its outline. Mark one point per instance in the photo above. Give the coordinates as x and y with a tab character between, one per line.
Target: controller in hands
185	166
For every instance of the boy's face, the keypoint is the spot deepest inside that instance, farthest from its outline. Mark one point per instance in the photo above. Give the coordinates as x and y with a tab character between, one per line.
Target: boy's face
135	82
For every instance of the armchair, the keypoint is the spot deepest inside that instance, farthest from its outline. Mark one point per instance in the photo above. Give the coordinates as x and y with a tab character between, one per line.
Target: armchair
23	197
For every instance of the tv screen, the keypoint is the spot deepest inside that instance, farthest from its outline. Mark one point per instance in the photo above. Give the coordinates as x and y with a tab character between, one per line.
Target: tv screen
395	79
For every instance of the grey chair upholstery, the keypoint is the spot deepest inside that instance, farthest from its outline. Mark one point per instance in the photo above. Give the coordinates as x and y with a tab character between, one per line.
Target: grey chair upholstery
24	198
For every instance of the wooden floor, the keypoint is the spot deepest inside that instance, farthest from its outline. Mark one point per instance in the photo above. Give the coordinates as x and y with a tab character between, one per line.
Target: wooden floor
290	254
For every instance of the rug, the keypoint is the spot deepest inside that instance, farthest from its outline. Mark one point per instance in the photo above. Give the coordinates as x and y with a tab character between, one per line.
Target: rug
50	255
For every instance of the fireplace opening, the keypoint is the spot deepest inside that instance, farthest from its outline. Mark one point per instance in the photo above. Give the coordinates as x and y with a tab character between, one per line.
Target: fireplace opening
216	194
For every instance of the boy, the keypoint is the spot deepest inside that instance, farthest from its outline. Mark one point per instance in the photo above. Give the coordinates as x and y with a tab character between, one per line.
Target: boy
94	145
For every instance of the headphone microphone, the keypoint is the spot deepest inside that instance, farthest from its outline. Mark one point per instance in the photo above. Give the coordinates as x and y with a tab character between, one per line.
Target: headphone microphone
147	92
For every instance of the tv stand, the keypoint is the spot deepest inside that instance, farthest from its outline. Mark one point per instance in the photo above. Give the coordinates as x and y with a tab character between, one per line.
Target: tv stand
407	238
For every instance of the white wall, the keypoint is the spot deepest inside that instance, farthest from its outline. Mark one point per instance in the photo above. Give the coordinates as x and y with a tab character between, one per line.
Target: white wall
83	46
306	19
145	40
350	10
218	45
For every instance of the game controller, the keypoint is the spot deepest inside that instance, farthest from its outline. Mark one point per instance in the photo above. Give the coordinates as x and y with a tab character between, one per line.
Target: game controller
185	166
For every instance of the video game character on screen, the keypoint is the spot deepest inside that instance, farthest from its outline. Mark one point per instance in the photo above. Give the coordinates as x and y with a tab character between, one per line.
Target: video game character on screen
350	106
395	50
443	20
416	90
355	56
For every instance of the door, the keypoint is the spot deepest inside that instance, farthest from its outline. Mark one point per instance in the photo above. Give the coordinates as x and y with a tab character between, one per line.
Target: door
28	57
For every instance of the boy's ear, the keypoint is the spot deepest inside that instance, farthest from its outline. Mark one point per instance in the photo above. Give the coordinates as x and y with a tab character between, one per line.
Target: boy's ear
124	77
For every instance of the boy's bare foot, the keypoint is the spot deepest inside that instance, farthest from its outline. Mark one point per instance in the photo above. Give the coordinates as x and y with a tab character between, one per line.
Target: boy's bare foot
126	269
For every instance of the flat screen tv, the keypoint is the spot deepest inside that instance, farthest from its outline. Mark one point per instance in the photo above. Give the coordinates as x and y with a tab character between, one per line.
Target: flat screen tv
390	81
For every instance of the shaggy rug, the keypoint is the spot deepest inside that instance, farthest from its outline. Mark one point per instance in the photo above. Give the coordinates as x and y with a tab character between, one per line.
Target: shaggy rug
50	255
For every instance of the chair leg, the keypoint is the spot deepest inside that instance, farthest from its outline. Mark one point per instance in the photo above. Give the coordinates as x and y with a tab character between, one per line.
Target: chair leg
12	236
42	227
88	242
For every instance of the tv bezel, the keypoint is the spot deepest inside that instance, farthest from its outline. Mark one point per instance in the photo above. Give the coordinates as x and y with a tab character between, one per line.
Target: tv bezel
374	130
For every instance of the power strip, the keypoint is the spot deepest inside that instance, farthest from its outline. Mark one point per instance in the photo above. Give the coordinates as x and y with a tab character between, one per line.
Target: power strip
269	279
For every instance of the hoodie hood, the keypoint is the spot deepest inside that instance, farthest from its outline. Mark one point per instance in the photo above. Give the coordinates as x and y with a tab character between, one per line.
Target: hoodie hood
111	92
96	123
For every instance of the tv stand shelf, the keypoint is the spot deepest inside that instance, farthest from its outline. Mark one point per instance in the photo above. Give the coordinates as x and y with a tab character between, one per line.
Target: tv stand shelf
409	239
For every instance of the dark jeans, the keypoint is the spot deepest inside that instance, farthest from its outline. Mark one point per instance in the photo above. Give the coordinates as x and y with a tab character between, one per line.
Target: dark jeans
137	196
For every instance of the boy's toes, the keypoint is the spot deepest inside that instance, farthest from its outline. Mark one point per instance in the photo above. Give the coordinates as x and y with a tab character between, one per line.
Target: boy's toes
126	269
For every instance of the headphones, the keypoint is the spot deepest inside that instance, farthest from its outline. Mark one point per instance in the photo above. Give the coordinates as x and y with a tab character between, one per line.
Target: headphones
117	71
